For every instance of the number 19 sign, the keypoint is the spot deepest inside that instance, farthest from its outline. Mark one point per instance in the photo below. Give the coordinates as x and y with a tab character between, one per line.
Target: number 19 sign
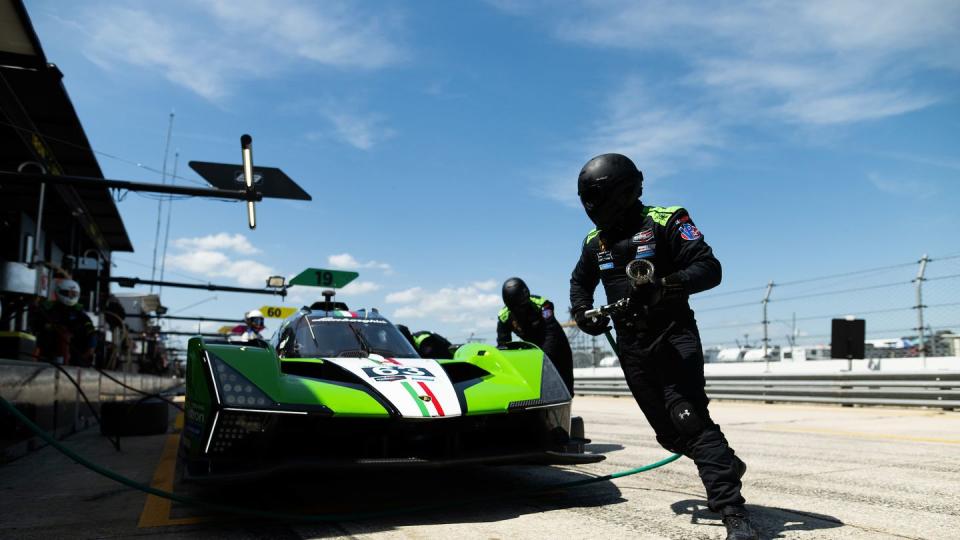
321	277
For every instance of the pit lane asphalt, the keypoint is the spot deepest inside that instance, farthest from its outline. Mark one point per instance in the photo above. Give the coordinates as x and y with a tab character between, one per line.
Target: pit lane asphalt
814	472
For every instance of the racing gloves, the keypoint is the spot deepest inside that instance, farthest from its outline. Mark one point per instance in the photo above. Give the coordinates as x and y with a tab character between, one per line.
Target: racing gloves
590	325
671	288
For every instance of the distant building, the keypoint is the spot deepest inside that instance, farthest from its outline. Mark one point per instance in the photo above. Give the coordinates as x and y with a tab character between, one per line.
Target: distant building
804	353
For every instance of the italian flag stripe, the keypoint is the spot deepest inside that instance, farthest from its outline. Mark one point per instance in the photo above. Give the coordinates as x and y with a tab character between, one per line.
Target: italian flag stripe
433	398
416	398
391	361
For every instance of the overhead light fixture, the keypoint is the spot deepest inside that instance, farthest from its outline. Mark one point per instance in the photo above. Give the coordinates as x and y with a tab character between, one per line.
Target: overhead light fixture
276	282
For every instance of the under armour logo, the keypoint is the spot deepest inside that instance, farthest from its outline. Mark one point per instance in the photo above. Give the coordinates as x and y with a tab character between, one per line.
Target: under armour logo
684	414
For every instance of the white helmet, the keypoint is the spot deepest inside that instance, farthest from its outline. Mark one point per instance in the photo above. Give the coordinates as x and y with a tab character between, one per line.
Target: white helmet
254	318
67	291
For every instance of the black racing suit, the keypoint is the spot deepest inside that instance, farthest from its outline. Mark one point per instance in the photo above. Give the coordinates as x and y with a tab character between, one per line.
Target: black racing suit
430	345
659	348
537	324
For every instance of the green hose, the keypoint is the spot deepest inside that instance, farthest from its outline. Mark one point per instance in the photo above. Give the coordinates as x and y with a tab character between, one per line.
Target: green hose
303	517
611	341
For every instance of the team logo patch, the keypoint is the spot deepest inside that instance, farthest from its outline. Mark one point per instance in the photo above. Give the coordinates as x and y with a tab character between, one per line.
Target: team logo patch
643	236
689	231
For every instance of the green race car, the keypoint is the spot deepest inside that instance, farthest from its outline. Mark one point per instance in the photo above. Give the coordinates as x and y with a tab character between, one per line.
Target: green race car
337	387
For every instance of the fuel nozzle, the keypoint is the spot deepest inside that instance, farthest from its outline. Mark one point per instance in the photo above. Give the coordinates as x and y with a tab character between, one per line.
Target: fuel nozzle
640	272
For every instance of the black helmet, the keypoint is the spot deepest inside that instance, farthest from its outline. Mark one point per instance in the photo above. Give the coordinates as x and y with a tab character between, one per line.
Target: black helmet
515	292
608	185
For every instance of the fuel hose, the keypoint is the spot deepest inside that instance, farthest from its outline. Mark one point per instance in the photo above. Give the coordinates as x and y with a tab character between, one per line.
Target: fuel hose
291	517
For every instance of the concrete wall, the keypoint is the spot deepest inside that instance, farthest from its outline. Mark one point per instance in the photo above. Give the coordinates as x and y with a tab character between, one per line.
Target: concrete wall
47	397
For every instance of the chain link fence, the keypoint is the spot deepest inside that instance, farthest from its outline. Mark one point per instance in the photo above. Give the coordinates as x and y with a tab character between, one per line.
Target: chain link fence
911	309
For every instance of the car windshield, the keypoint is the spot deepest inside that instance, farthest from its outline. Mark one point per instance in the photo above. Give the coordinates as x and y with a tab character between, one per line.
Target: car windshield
346	337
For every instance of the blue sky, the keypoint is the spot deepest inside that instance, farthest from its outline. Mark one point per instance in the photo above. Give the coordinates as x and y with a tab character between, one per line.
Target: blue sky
441	140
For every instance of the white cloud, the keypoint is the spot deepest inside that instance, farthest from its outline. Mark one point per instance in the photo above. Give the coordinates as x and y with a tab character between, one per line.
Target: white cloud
652	134
209	46
405	297
360	287
659	138
465	305
817	62
221	241
360	130
778	64
346	261
205	256
487	285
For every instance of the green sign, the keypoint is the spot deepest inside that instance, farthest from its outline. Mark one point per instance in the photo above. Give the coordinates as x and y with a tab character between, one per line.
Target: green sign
320	277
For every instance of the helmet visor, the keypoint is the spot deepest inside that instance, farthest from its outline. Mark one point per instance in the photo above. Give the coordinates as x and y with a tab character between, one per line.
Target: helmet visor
68	293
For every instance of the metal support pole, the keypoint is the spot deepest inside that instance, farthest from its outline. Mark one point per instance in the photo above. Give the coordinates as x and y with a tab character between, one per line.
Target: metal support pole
35	256
766	324
919	307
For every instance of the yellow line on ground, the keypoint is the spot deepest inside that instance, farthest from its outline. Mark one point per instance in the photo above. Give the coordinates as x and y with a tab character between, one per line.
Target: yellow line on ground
862	435
156	510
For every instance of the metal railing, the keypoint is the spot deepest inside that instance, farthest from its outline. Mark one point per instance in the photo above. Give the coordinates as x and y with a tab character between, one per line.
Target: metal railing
918	389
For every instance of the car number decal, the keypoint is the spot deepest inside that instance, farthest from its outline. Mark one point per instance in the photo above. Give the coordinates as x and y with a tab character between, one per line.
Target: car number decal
417	387
398	373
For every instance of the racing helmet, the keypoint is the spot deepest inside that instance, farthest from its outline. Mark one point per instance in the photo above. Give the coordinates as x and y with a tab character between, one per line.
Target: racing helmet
67	291
254	319
608	185
515	293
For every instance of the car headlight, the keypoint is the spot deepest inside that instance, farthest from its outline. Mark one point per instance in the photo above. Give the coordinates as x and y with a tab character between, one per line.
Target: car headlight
553	391
232	388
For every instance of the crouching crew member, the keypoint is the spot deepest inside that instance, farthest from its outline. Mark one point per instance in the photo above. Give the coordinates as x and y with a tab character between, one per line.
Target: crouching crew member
532	319
428	344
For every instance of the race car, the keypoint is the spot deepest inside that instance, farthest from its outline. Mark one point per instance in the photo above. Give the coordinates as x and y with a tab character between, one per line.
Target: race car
338	388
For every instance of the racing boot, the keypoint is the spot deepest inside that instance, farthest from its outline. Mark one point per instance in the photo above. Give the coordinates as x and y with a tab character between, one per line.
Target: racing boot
737	522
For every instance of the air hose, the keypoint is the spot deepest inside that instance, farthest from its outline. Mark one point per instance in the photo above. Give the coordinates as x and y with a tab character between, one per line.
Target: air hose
279	516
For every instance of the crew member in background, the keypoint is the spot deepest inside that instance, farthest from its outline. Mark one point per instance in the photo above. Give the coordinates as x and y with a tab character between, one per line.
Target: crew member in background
250	329
65	335
532	319
427	344
430	345
658	340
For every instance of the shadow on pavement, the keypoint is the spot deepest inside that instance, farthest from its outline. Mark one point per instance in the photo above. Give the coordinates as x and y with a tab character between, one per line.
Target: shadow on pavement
406	498
769	521
603	448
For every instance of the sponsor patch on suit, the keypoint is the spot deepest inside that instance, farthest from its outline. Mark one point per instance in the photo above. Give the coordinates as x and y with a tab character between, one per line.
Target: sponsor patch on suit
643	237
605	258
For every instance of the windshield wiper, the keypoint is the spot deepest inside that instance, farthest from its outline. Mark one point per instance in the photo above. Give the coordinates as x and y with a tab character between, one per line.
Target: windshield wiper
363	342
